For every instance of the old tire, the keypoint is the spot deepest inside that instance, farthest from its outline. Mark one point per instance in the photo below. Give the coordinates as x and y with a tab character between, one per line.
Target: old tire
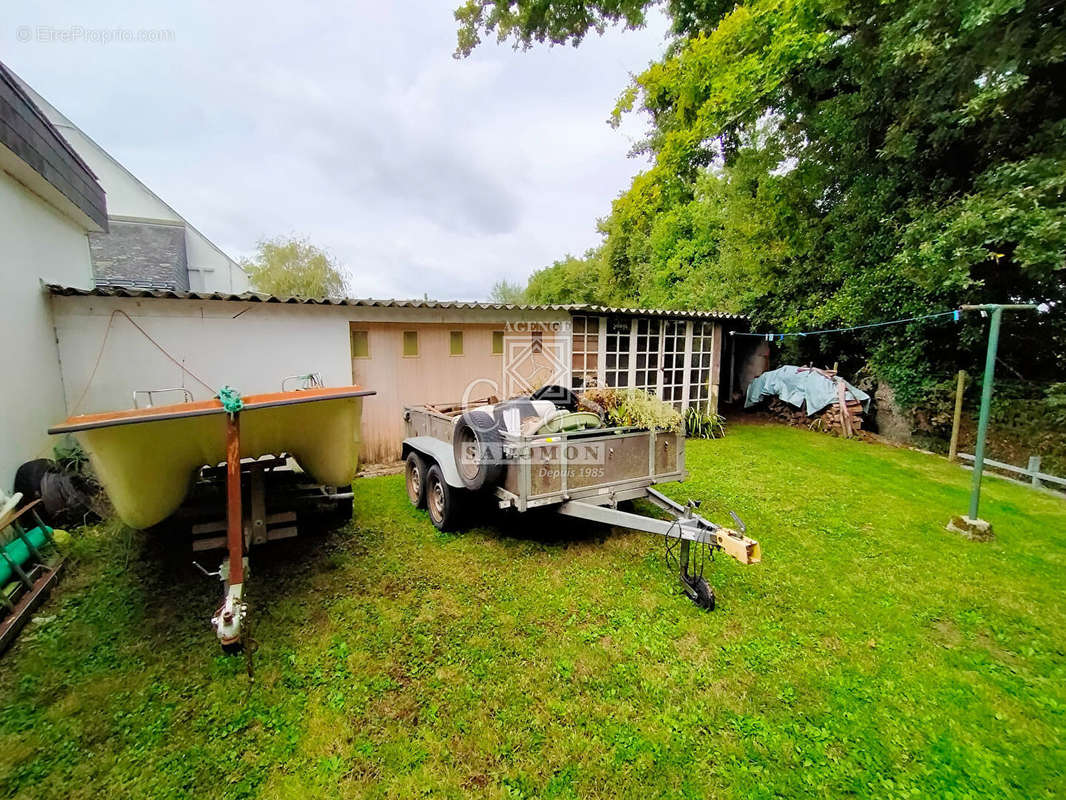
415	470
478	449
442	501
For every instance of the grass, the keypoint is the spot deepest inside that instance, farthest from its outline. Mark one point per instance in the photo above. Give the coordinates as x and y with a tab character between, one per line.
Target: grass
871	653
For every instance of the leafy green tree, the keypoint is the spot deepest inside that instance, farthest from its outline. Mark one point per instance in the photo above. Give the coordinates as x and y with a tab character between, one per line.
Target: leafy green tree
818	164
505	291
293	267
570	280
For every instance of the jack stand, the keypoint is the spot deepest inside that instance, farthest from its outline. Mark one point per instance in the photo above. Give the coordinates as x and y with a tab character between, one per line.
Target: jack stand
229	618
695	586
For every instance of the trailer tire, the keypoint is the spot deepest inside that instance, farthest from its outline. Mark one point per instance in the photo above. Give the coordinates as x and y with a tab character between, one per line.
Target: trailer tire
704	594
478	450
415	472
442	501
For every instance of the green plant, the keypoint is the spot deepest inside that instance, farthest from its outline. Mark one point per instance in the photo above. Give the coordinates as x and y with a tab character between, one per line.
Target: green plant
701	424
70	456
1055	400
633	408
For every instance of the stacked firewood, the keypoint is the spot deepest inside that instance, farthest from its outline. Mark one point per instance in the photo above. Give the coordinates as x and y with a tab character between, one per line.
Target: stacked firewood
831	419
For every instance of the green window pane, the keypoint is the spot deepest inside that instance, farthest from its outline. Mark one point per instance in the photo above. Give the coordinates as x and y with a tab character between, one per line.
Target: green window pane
360	344
497	343
410	343
456	343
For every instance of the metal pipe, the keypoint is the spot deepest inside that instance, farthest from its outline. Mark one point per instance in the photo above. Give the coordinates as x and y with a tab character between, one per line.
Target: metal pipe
986	406
996	310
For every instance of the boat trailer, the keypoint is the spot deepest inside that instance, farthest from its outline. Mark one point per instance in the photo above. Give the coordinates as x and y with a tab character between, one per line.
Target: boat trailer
279	503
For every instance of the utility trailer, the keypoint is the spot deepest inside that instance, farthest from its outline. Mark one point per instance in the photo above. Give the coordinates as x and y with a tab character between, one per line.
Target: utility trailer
585	474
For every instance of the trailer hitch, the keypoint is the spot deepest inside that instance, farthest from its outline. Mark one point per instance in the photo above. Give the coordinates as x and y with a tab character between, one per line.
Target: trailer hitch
685	529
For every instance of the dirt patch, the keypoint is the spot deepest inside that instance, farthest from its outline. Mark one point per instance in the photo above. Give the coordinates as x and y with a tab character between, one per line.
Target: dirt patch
374	470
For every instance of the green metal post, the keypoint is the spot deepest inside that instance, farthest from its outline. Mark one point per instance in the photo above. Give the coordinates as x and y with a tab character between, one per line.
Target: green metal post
986	407
996	310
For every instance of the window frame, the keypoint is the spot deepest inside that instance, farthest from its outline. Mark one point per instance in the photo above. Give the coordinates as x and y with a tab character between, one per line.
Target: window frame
451	343
366	338
403	345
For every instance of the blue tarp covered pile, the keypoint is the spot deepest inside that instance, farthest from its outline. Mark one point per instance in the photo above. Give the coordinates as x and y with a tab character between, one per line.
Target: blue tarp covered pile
801	387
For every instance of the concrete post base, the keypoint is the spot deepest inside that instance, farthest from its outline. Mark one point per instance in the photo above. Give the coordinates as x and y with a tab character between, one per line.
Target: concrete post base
978	530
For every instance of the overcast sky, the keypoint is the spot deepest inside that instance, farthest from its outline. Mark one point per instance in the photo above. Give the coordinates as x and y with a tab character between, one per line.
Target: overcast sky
350	122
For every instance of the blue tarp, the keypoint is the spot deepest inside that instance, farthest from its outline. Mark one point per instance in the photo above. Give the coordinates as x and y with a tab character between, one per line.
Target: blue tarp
799	385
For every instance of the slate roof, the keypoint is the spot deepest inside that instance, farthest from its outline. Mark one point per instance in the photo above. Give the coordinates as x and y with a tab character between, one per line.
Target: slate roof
28	134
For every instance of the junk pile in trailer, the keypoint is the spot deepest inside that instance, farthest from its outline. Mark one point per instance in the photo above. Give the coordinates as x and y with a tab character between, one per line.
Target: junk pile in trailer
556	454
30	564
160	468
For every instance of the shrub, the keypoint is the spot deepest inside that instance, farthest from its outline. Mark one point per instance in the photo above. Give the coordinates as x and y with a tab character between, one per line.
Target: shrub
631	408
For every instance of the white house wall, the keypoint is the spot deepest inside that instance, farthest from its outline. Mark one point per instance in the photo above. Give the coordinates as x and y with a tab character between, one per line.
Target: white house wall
209	269
39	244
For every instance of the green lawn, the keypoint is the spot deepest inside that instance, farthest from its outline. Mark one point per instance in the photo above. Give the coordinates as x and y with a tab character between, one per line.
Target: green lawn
872	653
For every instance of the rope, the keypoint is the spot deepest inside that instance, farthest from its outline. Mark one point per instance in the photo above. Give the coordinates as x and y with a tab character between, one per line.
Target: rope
99	355
163	350
231	399
778	336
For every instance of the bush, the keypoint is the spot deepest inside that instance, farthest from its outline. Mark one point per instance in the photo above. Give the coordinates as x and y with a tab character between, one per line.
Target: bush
700	424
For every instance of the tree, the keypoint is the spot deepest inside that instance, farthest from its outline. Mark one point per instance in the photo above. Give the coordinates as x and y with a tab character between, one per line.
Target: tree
571	280
504	291
293	267
817	164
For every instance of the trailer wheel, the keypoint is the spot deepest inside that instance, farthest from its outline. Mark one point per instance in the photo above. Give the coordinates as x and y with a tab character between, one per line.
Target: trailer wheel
415	470
478	450
442	500
704	594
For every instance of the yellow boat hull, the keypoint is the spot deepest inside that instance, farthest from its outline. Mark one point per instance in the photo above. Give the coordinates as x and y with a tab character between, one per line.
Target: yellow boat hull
147	459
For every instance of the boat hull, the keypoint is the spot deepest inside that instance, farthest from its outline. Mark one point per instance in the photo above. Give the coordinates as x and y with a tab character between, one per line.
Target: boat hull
147	459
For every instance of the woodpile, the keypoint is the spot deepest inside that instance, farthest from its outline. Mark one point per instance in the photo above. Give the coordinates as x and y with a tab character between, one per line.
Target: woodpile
842	418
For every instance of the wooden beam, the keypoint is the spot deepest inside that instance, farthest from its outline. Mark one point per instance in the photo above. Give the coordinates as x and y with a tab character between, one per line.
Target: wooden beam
234	524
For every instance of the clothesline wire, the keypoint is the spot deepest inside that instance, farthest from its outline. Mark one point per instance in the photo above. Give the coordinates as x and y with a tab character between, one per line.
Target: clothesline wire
770	336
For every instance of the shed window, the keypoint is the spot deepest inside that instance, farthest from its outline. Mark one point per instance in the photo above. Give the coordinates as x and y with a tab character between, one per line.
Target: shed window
497	343
360	344
410	343
455	343
586	351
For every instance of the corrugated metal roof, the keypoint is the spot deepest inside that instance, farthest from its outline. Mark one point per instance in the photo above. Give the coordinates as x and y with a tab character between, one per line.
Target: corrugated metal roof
257	297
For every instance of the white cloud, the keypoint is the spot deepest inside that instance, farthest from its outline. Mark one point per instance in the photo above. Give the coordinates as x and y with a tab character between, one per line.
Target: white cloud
354	125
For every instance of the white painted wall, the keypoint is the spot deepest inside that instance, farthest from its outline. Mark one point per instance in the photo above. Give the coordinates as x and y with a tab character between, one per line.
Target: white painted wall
211	270
38	243
250	346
